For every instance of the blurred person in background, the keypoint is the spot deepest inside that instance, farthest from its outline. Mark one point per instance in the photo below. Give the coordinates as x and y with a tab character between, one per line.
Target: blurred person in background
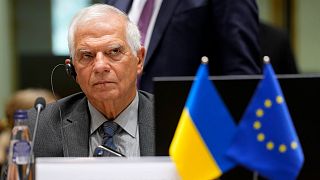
177	33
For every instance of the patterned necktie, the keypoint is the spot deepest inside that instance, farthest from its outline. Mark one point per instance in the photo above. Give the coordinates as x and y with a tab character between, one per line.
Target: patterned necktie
109	129
145	18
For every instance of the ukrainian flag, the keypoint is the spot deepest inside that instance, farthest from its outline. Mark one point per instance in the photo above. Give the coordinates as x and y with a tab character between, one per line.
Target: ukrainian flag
204	132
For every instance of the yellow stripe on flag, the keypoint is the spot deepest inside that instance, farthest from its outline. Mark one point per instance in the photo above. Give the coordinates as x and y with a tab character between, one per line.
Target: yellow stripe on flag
190	153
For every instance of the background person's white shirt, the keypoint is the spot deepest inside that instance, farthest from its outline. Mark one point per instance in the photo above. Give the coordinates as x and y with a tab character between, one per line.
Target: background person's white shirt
135	12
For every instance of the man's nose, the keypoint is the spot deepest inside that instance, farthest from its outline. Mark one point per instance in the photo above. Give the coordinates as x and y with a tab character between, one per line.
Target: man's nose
102	63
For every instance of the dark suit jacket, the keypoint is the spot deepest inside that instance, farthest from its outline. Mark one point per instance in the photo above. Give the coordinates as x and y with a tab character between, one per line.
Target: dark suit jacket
275	44
226	31
72	138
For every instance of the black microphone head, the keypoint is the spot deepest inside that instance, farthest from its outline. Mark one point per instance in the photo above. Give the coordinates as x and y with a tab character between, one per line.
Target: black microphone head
40	103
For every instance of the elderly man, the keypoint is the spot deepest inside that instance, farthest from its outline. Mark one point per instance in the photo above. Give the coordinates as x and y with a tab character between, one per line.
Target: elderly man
107	58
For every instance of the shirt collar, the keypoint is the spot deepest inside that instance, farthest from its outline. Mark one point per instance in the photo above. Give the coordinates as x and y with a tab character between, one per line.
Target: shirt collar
127	119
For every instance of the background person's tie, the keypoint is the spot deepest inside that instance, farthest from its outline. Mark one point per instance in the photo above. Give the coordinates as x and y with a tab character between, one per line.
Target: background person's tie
109	129
143	24
145	18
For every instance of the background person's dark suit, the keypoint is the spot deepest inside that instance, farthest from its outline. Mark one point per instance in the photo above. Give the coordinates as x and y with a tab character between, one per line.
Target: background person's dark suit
185	30
49	141
275	44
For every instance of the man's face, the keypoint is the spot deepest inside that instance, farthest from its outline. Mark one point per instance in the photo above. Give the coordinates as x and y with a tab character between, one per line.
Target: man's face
106	68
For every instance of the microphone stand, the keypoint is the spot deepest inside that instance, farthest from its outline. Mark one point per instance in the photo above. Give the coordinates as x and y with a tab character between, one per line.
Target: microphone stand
39	107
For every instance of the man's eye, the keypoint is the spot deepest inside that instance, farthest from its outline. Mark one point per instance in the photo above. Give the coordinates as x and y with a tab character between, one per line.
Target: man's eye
87	56
114	51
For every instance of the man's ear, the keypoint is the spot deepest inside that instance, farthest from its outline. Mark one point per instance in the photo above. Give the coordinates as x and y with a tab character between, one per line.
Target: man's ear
140	57
71	72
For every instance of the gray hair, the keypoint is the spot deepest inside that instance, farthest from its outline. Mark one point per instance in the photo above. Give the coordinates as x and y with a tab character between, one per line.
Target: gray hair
133	36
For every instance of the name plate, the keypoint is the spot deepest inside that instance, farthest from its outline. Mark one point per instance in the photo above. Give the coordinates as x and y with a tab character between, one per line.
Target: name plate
140	168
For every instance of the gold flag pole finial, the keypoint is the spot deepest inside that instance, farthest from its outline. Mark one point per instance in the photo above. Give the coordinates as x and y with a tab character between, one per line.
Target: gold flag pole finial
266	59
204	60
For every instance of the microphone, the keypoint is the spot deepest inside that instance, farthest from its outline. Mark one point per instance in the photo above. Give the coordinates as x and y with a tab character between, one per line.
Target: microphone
39	105
113	152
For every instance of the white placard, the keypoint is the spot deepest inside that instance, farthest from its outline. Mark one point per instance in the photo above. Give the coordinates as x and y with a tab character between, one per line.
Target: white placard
148	168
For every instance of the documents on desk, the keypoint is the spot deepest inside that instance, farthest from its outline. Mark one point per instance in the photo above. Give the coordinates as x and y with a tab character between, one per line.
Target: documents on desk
151	168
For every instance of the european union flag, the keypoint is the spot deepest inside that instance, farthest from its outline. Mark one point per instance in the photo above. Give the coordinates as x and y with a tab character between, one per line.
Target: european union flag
204	132
266	140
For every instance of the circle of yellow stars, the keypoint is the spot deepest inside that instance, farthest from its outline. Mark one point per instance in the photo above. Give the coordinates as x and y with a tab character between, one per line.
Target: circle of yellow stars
261	137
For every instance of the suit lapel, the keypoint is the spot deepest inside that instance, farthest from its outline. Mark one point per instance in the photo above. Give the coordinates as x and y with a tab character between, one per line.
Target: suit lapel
146	127
165	13
76	131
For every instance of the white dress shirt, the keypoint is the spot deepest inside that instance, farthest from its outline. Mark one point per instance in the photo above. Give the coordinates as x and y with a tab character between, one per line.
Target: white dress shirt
135	12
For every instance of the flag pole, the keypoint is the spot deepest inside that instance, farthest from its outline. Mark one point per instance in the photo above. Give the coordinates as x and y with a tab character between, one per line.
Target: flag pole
266	59
255	175
204	60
